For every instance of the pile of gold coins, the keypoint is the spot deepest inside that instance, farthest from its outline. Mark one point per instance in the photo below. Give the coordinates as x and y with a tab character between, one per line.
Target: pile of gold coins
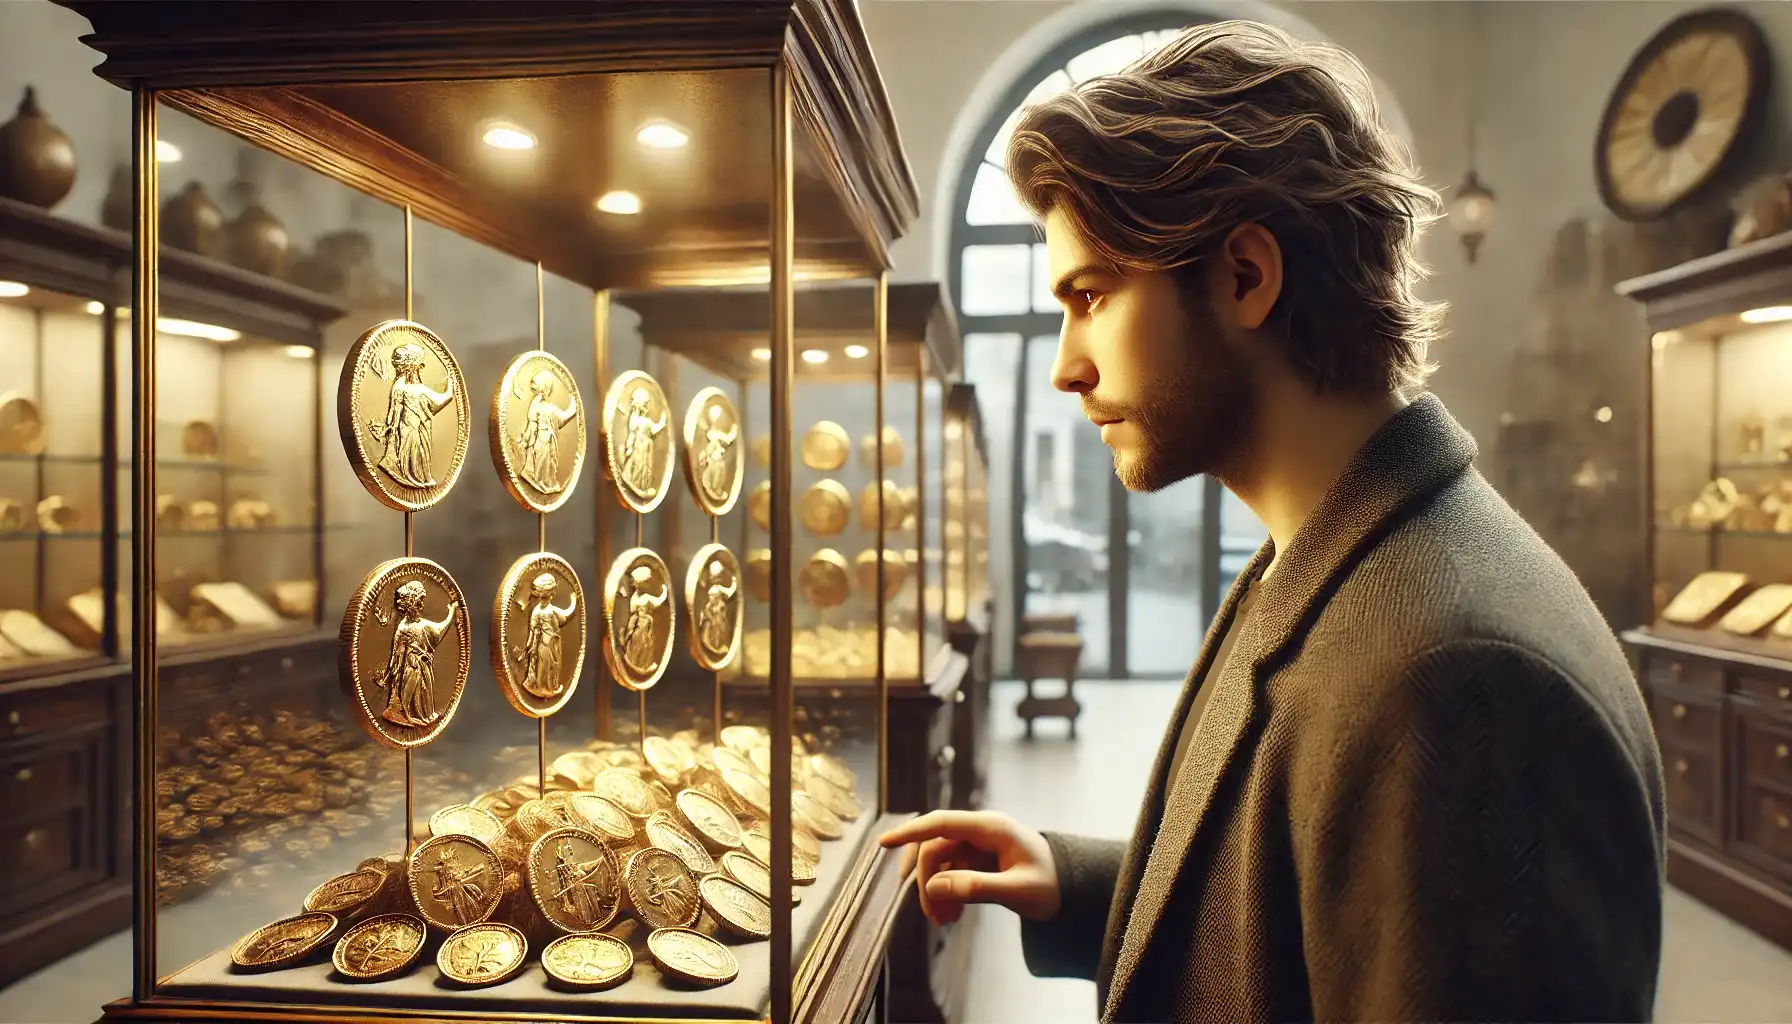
663	847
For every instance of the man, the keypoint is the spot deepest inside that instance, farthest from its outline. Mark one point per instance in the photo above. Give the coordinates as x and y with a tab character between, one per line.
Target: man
1411	777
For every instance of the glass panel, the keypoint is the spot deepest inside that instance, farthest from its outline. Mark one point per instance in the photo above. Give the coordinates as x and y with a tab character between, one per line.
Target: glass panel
933	489
1049	86
997	280
993	200
1105	59
1043	299
1065	514
1686	420
991	363
1164	618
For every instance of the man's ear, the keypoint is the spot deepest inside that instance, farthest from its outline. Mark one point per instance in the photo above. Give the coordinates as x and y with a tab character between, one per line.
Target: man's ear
1249	268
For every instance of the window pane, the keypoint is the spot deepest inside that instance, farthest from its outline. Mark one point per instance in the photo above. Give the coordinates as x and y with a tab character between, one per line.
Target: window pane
1043	300
990	361
1051	85
1164	617
995	280
992	200
1105	59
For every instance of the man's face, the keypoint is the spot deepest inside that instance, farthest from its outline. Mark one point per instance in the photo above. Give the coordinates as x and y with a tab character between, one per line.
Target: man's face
1173	394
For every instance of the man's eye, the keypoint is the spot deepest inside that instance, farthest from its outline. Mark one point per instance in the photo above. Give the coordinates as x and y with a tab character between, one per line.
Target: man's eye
1087	297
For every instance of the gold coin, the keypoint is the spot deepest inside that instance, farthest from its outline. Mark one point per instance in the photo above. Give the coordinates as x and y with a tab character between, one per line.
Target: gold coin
801	841
406	649
401	408
283	942
466	820
637	445
808	812
588	960
758	845
762	452
601	817
641	612
759	574
692	956
536	818
661	889
379	947
626	790
345	895
537	431
759	505
894	509
744	737
824	581
665	833
709	819
712	452
895	572
736	908
484	954
538	634
834	770
892	449
826	446
748	789
574	880
733	760
581	766
826	508
712	594
753	875
841	802
455	881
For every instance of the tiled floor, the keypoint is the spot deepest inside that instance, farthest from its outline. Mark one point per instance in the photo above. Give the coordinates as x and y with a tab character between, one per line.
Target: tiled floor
1712	970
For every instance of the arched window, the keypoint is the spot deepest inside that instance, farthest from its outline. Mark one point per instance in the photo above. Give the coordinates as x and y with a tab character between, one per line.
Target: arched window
1141	613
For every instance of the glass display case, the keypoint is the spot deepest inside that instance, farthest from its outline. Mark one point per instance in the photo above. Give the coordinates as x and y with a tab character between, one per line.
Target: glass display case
967	511
1716	661
556	783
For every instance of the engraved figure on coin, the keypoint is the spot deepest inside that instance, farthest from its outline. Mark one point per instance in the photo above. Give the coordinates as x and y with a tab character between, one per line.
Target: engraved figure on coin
637	445
715	620
664	892
541	653
409	677
578	884
540	437
410	409
716	475
458	886
638	647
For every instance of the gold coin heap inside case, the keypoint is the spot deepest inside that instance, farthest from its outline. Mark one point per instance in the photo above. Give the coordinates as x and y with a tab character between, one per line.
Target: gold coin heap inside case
379	947
637	440
537	431
640	609
482	954
538	634
826	446
590	960
713	448
692	956
402	410
406	650
712	592
574	880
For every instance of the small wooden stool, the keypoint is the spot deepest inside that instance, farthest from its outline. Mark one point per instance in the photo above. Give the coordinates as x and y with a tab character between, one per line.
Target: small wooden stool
1050	655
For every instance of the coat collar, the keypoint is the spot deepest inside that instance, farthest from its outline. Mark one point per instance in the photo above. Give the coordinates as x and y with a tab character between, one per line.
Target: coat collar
1417	451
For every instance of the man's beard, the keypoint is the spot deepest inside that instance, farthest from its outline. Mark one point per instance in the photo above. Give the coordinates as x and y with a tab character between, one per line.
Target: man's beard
1196	420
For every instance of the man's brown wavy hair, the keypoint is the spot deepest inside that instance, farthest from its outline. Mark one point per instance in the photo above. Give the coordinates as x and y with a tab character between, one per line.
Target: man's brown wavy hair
1236	122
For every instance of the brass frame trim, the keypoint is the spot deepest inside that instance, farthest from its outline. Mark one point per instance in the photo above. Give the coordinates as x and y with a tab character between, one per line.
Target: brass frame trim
783	303
145	284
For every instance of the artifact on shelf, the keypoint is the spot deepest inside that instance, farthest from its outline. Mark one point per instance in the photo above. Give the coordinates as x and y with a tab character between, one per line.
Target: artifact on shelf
1763	209
826	508
203	515
637	444
342	264
251	514
193	222
403	414
171	515
255	240
404	667
712	452
824	580
199	440
892	445
30	635
1702	601
1782	628
37	160
1714	505
294	599
87	623
12	516
537	431
826	446
115	210
56	515
236	604
21	426
640	613
538	634
1754	434
1758	610
10	653
712	593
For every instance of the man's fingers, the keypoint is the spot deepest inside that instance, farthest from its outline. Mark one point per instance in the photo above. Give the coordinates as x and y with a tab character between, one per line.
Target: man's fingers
1003	887
930	857
979	828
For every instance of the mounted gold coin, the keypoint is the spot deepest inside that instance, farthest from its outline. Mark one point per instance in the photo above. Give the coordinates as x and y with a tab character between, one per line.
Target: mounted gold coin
640	613
895	572
826	507
712	592
759	505
824	581
538	634
713	463
892	439
402	410
637	443
537	431
826	446
406	647
759	574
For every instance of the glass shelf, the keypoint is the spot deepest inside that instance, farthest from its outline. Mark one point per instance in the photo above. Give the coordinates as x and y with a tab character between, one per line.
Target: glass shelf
213	465
1746	465
34	535
1695	531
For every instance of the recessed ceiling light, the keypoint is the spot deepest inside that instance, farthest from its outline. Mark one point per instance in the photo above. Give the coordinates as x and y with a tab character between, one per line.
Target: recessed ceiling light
194	329
662	135
624	203
508	136
1767	315
814	356
856	351
167	152
96	307
13	290
1603	414
300	351
764	355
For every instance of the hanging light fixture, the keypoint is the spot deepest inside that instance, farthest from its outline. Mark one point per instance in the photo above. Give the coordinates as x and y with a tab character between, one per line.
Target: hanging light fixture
1472	204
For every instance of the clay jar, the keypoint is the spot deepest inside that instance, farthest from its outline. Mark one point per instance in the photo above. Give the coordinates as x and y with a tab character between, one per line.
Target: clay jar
256	240
191	221
37	161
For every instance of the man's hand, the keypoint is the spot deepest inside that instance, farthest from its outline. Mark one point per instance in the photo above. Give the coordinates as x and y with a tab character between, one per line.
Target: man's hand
965	857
